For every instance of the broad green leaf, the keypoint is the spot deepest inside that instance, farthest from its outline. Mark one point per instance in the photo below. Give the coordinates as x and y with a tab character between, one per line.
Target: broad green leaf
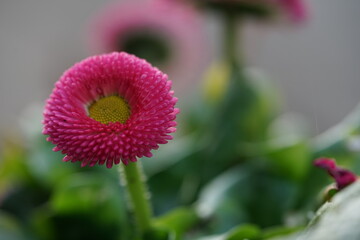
242	232
290	157
338	219
246	231
280	231
178	221
246	194
216	191
85	206
341	141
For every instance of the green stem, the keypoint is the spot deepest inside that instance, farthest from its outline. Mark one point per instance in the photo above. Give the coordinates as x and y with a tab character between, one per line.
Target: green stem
230	38
139	196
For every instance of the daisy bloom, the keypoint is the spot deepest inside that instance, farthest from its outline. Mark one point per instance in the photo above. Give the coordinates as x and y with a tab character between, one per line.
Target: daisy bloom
342	177
110	108
168	34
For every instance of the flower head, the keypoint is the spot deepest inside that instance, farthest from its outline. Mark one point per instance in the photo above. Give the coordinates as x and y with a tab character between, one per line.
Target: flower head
168	34
342	176
110	108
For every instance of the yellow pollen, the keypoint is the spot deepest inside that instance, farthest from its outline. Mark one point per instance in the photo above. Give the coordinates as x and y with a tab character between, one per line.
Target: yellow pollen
110	109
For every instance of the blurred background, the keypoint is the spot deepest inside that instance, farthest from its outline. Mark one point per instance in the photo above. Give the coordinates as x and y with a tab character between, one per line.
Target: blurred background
315	66
232	149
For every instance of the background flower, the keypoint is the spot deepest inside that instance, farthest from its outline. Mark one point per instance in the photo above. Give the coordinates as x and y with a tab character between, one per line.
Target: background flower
168	34
342	177
295	10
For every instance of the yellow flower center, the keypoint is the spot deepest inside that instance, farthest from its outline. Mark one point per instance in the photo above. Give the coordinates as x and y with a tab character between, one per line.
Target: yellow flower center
110	109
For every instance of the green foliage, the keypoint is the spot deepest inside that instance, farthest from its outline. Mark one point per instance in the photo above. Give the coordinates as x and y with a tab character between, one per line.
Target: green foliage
290	158
244	194
13	168
281	231
232	175
250	232
10	228
84	206
178	221
337	219
158	233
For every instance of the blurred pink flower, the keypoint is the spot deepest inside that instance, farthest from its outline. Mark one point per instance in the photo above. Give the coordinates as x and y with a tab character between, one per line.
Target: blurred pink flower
168	34
342	177
295	10
110	108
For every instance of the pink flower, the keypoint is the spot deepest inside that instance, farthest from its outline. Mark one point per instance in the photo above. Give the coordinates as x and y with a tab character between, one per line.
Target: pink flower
166	33
293	9
342	177
110	108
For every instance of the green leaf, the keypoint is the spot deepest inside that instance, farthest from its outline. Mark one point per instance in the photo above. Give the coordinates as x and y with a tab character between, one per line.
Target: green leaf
213	195
246	194
84	206
171	153
178	221
85	191
13	168
159	233
280	231
289	149
242	232
290	158
247	120
341	141
22	201
246	231
338	219
45	165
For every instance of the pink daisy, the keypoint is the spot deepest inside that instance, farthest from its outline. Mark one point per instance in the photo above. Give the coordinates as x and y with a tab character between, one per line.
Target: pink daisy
110	108
168	34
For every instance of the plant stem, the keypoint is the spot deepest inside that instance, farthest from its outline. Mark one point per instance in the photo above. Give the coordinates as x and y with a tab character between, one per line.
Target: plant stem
139	196
230	38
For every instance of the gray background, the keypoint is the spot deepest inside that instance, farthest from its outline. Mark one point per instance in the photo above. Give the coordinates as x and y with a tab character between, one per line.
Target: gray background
316	66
